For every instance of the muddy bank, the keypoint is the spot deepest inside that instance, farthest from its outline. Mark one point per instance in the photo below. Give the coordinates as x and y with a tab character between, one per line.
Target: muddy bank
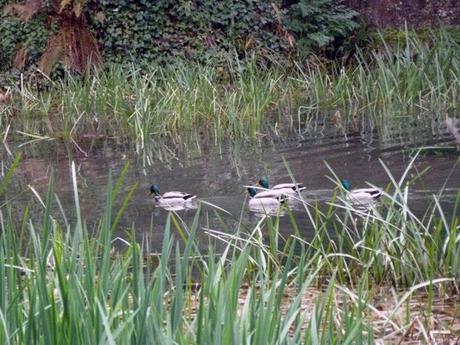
417	13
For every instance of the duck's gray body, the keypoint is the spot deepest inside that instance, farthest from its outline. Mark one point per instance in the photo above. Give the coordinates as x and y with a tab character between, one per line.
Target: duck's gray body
265	201
289	189
364	197
267	198
173	200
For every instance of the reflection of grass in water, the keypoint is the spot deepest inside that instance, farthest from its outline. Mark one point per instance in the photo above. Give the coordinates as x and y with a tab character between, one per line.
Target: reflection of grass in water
62	285
410	81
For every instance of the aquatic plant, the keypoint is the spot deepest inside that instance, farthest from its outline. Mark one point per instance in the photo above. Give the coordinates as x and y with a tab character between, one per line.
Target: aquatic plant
400	82
64	282
401	86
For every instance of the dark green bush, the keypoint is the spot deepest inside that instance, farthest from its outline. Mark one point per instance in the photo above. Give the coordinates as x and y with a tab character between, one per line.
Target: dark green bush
15	34
198	30
317	23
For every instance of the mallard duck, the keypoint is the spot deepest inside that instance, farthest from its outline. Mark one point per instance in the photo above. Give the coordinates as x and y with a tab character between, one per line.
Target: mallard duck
264	202
363	197
175	200
288	189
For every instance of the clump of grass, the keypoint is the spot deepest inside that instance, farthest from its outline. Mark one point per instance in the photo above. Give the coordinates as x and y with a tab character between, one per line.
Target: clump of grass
154	103
412	81
65	283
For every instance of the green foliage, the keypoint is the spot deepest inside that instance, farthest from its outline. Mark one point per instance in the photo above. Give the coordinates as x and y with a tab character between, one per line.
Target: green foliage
67	283
16	34
317	23
199	30
399	86
71	44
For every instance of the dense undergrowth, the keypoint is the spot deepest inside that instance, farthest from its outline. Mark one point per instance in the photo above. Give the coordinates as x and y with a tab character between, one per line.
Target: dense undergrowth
68	31
65	283
409	82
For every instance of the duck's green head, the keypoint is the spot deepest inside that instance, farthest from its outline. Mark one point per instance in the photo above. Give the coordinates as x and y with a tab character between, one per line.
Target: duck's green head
155	189
252	191
346	184
263	182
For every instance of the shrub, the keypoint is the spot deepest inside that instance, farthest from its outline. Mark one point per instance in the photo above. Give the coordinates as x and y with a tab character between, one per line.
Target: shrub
71	44
317	23
164	30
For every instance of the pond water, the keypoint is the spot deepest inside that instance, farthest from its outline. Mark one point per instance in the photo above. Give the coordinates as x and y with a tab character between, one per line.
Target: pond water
217	175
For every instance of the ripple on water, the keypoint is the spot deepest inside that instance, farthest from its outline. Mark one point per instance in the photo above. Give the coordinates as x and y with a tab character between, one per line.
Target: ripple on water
217	174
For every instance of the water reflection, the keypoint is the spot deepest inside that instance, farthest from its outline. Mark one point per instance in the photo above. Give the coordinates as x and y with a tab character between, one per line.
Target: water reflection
217	173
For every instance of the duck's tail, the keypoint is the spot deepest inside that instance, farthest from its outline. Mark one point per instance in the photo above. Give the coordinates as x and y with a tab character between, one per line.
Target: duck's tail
299	187
189	197
376	193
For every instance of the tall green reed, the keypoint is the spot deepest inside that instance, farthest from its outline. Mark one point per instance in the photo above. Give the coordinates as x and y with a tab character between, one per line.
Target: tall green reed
67	285
64	282
413	80
398	80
